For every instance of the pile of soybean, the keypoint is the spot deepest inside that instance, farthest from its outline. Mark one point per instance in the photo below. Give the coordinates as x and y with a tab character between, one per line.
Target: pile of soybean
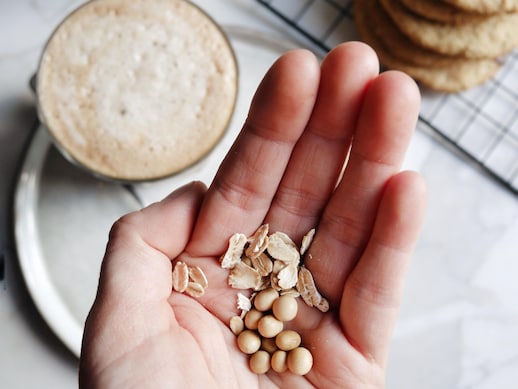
262	335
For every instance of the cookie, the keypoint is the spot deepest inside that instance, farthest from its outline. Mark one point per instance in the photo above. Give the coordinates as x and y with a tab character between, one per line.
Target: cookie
401	46
137	90
485	6
491	37
441	12
437	72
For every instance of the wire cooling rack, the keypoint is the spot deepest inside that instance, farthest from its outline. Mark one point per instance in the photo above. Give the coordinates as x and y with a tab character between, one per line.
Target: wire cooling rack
481	123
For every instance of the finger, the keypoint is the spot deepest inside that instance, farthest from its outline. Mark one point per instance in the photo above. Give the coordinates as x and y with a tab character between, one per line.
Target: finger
136	280
386	123
243	188
318	158
373	292
142	244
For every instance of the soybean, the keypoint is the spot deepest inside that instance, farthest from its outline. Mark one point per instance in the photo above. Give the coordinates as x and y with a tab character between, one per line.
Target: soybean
269	326
252	318
263	301
288	340
248	341
278	361
268	344
260	362
285	308
300	361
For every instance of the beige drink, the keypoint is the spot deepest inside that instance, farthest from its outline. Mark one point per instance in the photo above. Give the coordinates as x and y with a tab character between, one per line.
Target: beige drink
137	89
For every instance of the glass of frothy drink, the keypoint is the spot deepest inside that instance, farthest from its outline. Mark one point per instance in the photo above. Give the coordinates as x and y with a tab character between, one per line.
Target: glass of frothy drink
136	90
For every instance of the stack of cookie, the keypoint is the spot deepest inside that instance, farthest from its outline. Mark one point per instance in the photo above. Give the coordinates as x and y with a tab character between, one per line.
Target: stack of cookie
446	45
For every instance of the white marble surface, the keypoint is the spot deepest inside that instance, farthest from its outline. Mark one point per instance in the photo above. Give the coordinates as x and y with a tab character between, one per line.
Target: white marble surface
458	327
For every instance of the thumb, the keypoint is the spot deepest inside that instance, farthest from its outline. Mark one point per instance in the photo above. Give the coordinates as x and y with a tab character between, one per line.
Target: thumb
131	304
137	263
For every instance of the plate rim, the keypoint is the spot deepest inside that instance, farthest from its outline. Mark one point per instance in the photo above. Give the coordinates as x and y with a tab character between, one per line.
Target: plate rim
38	281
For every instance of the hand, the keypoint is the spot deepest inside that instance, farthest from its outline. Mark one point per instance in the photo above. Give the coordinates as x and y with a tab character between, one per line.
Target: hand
306	122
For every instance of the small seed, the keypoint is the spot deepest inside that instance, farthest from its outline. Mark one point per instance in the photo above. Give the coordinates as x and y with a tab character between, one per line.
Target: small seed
236	325
323	305
180	276
285	308
198	276
269	326
263	301
243	276
288	276
252	319
248	341
268	344
307	288
288	340
306	241
194	289
281	247
258	242
300	361
263	264
260	362
278	361
236	246
243	302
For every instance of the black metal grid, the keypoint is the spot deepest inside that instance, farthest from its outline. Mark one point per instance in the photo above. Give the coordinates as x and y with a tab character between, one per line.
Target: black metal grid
481	123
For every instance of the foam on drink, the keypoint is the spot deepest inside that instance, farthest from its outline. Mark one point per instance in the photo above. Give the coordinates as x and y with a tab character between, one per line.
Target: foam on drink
137	90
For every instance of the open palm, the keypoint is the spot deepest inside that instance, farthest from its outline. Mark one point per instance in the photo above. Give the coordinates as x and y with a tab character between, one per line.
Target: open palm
307	121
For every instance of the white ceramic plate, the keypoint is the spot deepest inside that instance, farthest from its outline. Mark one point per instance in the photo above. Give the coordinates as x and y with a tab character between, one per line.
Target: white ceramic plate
62	215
